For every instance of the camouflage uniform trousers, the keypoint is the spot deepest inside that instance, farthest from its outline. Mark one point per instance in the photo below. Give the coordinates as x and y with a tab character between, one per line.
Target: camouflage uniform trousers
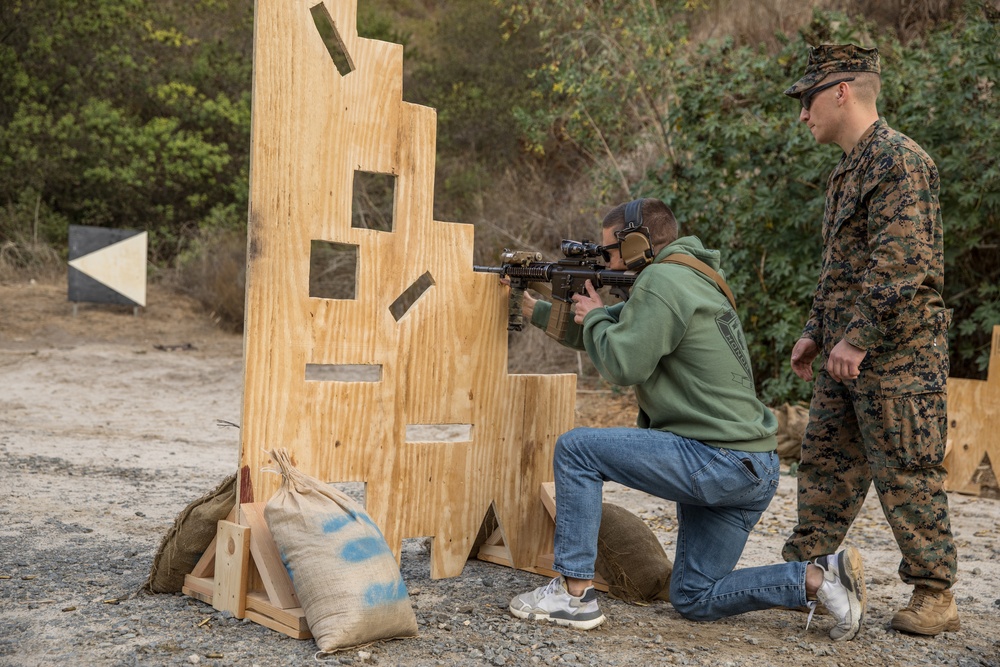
861	432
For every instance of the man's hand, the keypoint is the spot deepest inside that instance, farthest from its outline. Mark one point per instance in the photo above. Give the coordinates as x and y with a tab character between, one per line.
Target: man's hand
584	303
845	361
527	301
527	305
803	355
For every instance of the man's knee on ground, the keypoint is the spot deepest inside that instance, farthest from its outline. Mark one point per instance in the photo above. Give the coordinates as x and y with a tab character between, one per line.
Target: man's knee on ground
694	611
691	605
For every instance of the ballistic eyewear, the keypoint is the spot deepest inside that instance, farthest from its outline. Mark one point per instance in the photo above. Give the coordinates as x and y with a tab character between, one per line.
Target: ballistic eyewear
606	250
807	97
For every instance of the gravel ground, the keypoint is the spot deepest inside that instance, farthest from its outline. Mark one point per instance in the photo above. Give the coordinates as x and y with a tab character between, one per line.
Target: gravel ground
71	600
104	439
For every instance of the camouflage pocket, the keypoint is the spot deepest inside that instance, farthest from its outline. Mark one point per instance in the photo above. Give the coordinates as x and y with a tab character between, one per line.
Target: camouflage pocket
914	428
919	361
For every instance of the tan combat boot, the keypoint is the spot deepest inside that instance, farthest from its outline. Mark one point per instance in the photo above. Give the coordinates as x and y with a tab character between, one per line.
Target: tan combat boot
930	612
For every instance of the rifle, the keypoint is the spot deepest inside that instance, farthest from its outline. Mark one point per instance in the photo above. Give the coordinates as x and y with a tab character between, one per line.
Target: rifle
567	277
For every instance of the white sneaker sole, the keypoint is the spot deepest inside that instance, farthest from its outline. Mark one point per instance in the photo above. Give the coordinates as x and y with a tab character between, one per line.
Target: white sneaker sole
852	566
565	622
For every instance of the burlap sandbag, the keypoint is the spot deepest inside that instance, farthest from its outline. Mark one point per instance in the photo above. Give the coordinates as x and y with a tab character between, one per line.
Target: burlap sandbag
792	420
345	575
630	557
188	538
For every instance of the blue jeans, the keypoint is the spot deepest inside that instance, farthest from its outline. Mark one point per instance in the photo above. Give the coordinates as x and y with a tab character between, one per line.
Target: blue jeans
719	500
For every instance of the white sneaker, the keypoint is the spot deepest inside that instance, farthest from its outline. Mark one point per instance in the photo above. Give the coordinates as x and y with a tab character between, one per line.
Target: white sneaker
843	592
553	603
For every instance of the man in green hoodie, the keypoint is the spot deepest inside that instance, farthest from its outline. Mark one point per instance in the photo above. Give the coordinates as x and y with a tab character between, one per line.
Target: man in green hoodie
703	440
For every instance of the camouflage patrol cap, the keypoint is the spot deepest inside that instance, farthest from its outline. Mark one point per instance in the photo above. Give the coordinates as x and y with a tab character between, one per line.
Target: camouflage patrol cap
828	58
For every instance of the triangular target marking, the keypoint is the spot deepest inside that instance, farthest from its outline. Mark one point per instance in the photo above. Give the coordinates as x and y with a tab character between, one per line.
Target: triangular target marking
120	266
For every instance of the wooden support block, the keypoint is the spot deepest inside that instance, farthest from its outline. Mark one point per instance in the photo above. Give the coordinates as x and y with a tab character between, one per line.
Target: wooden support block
292	622
268	622
206	564
200	588
232	558
495	553
238	553
496	537
277	583
547	492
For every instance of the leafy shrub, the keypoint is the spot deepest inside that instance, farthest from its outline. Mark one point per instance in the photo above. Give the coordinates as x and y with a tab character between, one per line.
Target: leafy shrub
26	228
126	114
213	271
741	172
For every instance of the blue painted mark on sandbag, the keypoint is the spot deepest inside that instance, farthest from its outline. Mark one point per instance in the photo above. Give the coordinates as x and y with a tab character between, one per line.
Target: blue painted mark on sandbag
335	522
380	594
288	566
363	548
367	519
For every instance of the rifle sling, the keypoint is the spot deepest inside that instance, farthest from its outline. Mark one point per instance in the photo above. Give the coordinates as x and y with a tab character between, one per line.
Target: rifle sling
701	267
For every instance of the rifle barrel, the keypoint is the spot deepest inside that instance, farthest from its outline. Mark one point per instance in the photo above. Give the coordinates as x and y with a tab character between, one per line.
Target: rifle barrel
546	271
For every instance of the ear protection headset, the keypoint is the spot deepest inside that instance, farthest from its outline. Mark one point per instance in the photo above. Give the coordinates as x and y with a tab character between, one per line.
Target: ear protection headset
633	238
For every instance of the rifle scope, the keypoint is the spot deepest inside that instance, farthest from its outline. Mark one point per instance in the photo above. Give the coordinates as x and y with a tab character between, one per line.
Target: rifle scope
582	248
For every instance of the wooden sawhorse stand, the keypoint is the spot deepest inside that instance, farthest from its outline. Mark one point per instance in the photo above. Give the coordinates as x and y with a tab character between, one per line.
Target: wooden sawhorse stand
241	572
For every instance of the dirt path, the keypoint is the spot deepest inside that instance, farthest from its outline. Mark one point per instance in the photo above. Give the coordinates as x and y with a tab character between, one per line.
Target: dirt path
104	438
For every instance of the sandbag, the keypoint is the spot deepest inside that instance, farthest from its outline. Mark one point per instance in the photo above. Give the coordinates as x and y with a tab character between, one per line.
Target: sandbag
345	576
792	420
630	558
192	533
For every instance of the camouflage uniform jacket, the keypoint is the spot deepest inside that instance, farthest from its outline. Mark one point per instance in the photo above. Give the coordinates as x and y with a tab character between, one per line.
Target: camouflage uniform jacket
883	263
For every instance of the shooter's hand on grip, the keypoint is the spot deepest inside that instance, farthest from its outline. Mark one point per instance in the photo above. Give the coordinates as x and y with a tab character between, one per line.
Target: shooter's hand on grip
584	303
527	305
520	306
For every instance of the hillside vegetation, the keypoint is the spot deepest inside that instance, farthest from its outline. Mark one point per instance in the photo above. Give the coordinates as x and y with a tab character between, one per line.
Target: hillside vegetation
125	113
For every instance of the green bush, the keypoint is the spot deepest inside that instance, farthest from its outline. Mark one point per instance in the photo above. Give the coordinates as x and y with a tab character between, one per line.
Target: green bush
129	114
944	93
126	114
212	270
742	173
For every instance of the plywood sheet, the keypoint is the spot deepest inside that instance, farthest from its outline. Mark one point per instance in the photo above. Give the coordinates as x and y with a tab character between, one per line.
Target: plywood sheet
443	362
974	425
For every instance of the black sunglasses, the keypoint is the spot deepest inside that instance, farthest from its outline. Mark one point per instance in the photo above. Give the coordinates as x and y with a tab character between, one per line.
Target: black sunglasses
807	97
606	250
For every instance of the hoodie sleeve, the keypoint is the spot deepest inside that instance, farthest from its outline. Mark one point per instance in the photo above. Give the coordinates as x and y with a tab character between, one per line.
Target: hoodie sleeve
627	342
574	332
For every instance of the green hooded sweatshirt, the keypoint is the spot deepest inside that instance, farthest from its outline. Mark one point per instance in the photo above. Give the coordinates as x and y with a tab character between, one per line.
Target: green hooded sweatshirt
679	344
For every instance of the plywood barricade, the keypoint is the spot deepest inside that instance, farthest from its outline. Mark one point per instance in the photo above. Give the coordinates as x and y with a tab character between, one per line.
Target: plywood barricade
328	106
974	425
